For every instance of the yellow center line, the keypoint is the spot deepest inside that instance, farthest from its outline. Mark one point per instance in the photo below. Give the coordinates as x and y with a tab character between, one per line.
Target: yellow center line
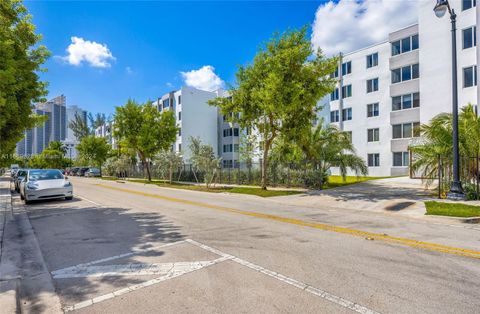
354	232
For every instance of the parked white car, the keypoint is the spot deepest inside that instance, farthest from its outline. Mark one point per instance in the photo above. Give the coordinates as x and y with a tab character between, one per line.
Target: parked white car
40	184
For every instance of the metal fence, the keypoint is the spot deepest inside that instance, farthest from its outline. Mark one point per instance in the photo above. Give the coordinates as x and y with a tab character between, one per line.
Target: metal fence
442	175
285	175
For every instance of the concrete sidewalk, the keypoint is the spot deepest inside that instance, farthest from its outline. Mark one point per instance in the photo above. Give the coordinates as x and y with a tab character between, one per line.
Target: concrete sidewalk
402	196
8	279
25	282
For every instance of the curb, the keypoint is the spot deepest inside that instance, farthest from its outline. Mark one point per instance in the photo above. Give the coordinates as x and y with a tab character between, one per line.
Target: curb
27	285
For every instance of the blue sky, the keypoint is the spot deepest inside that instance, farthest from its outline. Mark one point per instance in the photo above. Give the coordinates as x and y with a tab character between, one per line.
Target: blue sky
152	42
139	49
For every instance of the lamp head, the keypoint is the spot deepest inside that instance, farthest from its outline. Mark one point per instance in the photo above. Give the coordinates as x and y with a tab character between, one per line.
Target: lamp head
441	8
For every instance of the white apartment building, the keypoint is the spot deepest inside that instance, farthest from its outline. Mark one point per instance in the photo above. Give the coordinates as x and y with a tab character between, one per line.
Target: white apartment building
385	91
106	131
194	117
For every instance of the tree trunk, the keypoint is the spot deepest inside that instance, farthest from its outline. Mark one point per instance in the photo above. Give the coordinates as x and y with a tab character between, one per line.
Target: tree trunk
265	165
148	171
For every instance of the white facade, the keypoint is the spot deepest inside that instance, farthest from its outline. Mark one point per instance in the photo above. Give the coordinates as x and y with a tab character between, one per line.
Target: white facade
106	131
193	116
414	85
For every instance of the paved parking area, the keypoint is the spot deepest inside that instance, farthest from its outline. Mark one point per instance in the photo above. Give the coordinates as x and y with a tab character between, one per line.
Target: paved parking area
129	248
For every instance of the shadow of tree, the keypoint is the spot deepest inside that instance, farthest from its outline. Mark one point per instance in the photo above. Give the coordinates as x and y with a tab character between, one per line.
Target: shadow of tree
87	233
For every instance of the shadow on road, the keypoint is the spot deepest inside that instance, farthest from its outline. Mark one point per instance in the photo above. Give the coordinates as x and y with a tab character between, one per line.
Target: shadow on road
74	232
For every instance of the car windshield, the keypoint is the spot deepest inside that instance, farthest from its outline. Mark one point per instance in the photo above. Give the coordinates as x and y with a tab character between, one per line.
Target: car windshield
37	175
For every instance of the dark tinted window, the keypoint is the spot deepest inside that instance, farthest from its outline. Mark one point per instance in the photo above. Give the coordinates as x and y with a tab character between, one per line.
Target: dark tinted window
38	175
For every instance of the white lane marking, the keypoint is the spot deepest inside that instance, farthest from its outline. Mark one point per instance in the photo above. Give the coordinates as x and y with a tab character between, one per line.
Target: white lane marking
224	257
133	269
88	200
98	261
298	284
170	275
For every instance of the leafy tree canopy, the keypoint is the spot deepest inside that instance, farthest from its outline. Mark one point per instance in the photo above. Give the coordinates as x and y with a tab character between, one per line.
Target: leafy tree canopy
278	93
20	61
144	129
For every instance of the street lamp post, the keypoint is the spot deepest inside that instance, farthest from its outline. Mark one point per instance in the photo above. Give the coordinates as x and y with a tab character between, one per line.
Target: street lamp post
456	190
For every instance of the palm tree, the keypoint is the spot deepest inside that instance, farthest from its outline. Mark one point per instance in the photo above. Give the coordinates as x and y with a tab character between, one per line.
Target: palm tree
437	145
326	146
79	127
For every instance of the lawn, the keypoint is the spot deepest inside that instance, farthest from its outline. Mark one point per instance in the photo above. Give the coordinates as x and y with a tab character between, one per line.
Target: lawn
452	209
221	189
336	181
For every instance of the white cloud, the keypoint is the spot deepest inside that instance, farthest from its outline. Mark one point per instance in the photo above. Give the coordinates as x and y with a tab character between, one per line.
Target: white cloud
168	84
203	78
89	52
129	70
349	25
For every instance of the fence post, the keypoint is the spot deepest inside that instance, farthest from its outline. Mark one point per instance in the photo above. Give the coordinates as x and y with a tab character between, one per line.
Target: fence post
477	176
439	177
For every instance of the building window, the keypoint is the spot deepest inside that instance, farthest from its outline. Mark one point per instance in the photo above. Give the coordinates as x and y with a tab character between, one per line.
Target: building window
372	60
334	95
469	37
373	135
180	147
227	163
372	85
405	73
347	114
470	76
236	148
373	160
166	103
346	68
405	45
180	132
401	159
179	99
468	4
406	130
334	116
406	101
236	132
346	91
372	110
179	116
227	132
334	74
227	148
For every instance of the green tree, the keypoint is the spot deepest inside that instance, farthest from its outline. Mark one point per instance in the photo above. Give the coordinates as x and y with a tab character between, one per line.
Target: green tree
203	159
93	150
21	59
98	120
144	129
53	156
79	126
278	93
325	147
167	162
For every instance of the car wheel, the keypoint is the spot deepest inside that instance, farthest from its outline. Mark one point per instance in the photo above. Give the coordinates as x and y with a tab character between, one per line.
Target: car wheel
21	196
27	201
69	198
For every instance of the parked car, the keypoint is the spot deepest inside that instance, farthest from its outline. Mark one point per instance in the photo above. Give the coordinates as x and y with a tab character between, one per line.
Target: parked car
19	176
81	171
73	171
42	184
93	172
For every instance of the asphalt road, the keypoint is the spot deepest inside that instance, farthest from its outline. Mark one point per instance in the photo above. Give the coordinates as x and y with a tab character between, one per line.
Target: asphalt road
130	248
